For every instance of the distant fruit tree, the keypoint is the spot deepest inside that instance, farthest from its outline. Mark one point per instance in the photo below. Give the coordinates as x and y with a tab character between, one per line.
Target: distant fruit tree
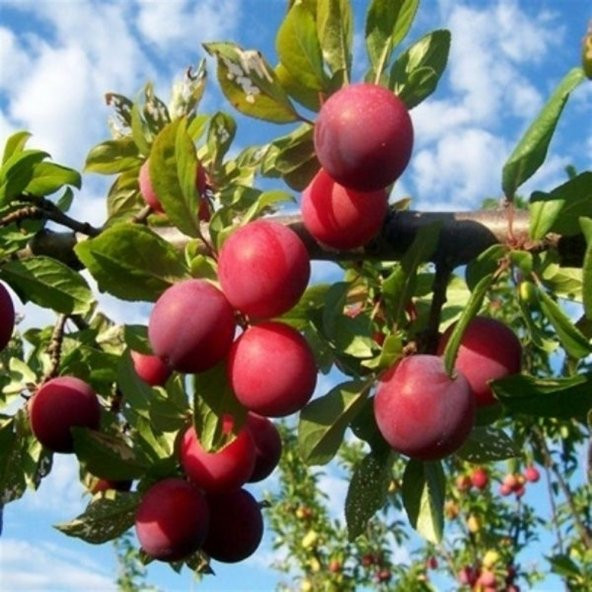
462	341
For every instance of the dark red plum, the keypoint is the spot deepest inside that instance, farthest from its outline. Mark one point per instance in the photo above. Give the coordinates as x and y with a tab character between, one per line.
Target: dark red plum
268	446
151	369
6	317
223	470
263	269
489	350
191	326
339	217
60	404
422	412
363	137
172	520
236	526
272	369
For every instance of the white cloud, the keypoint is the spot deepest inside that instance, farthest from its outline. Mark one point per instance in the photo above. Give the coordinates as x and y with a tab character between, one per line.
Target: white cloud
463	169
180	23
43	567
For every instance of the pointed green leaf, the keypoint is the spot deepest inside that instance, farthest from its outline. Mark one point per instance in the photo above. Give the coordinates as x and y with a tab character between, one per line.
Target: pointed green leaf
335	28
104	519
484	264
14	144
560	210
221	132
173	173
113	156
324	420
50	284
424	487
367	490
107	456
586	225
415	74
48	177
563	398
531	150
132	262
250	84
16	173
470	311
488	444
213	399
387	23
571	338
299	50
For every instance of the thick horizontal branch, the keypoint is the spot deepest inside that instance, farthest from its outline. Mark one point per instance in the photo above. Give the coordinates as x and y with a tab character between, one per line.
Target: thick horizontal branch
463	236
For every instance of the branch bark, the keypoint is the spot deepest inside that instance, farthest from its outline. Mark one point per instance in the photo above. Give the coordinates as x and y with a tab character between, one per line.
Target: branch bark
463	236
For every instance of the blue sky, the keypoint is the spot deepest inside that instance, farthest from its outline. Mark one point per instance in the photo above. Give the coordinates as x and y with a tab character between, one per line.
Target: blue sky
59	57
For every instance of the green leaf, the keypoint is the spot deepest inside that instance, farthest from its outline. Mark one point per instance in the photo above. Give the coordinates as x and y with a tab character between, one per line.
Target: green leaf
486	263
221	132
335	29
299	50
131	262
104	519
136	338
563	398
265	203
324	420
140	131
173	172
399	286
48	177
187	94
123	199
23	460
531	150
213	398
113	156
136	393
586	225
367	490
49	283
387	23
15	144
307	97
470	311
572	340
250	84
424	487
415	74
107	456
487	444
16	173
560	210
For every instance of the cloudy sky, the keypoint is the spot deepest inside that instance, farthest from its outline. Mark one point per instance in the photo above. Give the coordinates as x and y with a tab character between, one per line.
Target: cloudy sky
59	57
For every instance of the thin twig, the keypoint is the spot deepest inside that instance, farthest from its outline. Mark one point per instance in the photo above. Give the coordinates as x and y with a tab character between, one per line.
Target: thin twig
54	349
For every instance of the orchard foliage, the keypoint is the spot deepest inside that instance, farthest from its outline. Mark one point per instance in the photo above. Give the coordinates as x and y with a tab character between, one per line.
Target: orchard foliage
236	328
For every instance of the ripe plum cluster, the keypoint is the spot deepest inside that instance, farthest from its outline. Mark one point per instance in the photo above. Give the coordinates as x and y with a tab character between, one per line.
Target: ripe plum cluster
363	138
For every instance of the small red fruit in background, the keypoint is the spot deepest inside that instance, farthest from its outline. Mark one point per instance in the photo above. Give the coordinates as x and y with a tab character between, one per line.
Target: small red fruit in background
489	350
363	136
272	369
223	470
421	411
6	317
236	526
60	404
480	478
339	217
268	446
151	369
531	473
172	520
263	268
191	326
